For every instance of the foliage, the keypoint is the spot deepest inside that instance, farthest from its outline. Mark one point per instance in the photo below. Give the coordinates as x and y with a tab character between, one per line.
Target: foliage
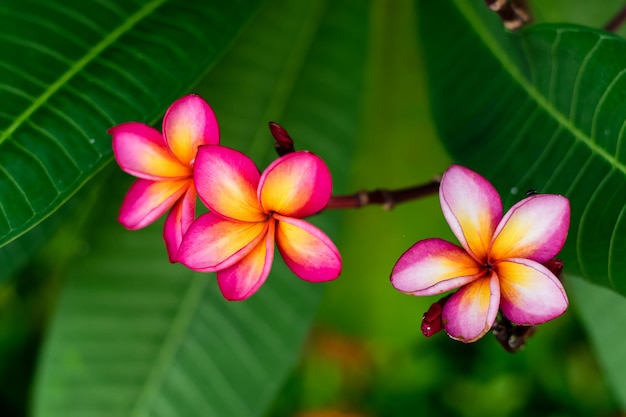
118	331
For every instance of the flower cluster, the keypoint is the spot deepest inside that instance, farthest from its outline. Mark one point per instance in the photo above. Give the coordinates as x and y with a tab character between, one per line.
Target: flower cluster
504	270
249	211
499	266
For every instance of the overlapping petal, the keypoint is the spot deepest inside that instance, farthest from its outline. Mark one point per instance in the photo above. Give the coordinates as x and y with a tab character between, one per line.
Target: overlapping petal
307	251
189	123
244	278
227	182
530	293
179	220
141	151
147	200
472	208
471	311
433	266
535	228
298	185
214	242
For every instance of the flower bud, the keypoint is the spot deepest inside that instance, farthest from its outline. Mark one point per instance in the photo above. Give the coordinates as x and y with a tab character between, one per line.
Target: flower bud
431	320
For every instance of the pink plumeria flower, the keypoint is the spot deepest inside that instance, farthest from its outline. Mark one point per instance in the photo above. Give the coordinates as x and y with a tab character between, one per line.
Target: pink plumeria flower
164	165
499	267
250	211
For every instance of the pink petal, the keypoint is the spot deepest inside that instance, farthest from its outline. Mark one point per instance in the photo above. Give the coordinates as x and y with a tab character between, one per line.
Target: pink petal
189	123
296	185
472	208
535	228
307	251
471	311
147	200
433	266
141	151
227	182
244	278
178	221
531	294
213	242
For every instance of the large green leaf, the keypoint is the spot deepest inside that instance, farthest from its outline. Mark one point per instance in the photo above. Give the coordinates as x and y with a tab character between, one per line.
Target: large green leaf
134	335
603	313
69	70
542	110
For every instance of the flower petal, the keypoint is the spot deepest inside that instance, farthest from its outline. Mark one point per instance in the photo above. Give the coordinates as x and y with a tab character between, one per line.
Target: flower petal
187	124
307	251
227	182
472	208
433	266
531	294
296	185
244	278
471	311
141	151
213	242
147	200
178	221
535	228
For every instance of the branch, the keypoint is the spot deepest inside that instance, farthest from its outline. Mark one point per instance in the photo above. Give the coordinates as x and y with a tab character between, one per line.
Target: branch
283	143
617	21
387	198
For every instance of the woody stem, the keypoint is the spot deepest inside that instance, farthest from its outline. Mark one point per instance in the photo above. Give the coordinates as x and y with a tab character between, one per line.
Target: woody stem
616	21
387	198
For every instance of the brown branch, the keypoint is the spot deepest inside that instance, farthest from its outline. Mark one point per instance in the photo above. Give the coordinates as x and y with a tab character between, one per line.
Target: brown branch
617	21
387	198
513	13
283	143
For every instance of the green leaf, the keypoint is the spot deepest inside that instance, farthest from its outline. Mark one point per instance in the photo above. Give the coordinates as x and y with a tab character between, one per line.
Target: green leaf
542	109
137	336
70	70
603	313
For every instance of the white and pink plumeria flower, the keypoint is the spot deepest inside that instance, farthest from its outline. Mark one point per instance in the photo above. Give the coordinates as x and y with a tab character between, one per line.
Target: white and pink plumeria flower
499	266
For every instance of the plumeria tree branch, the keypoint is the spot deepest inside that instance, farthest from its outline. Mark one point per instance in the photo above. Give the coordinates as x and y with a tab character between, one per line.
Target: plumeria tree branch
616	21
387	198
513	13
283	143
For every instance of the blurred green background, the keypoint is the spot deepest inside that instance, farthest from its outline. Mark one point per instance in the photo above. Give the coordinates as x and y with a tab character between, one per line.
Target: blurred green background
365	355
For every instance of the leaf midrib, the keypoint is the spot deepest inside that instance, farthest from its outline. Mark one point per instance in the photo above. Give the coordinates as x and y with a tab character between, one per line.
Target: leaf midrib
189	304
475	21
107	41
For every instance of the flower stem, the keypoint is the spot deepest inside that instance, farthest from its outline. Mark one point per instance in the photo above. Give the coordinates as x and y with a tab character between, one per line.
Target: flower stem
387	198
283	143
616	21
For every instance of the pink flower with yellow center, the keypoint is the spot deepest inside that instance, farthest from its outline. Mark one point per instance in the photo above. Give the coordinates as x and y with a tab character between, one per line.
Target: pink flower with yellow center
499	267
164	165
250	211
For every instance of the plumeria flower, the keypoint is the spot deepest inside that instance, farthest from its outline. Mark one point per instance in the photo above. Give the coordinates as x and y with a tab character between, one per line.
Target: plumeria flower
164	165
250	211
499	266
